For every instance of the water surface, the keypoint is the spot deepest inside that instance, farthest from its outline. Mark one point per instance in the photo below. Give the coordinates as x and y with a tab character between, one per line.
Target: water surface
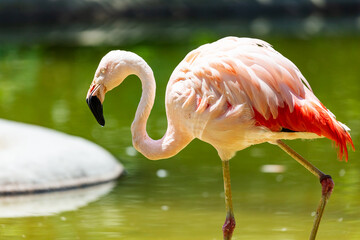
182	197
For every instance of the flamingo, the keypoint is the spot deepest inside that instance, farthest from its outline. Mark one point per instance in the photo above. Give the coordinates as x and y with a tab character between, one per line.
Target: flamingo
232	93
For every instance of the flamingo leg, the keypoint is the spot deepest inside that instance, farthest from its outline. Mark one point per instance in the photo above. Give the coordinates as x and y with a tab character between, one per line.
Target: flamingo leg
326	182
229	225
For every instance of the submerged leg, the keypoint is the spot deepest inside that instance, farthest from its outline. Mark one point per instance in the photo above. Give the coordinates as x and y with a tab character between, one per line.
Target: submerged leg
229	225
326	181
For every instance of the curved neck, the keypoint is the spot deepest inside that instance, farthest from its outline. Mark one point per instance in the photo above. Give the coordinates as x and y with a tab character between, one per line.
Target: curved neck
173	140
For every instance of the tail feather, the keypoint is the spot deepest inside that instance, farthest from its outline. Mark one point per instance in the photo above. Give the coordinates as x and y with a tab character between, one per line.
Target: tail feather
336	131
310	117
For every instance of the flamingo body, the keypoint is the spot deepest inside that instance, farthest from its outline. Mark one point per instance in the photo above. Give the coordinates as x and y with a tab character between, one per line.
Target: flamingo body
237	92
233	93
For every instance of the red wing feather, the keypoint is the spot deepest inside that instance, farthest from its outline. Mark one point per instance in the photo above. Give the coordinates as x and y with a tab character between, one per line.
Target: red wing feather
309	118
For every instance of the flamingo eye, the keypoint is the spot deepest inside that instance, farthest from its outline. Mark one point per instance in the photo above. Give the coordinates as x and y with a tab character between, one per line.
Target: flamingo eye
101	71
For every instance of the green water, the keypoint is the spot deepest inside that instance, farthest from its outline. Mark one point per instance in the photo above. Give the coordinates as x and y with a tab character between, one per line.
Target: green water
47	86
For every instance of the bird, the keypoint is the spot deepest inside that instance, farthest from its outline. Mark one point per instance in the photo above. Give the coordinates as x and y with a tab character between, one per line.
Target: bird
232	93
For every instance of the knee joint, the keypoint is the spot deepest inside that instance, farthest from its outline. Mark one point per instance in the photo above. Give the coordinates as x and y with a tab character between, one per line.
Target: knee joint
327	184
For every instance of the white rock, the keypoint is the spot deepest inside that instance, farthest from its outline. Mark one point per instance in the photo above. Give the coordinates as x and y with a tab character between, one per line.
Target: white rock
36	159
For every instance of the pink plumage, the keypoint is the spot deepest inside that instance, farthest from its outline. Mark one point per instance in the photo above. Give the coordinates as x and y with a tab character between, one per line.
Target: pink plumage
233	93
250	73
309	118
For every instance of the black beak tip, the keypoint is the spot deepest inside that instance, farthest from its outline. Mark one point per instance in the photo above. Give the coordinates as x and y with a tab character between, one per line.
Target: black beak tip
96	109
101	122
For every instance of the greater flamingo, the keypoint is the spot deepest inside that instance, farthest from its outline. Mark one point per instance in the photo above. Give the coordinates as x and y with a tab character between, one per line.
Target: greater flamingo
233	93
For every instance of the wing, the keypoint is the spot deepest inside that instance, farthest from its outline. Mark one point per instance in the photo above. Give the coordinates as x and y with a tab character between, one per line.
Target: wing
232	71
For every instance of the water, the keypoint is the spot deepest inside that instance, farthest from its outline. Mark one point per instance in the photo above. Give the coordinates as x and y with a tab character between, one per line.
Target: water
182	197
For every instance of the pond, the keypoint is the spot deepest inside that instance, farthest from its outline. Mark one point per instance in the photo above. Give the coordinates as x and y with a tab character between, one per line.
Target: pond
182	197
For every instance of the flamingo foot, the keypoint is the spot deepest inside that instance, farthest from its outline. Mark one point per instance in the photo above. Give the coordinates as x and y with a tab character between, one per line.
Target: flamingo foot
228	227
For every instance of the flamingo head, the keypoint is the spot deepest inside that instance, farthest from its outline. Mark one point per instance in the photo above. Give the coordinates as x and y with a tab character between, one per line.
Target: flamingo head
113	68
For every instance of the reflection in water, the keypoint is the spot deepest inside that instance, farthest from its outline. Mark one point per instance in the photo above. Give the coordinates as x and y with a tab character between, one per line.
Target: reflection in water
60	112
272	168
51	203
